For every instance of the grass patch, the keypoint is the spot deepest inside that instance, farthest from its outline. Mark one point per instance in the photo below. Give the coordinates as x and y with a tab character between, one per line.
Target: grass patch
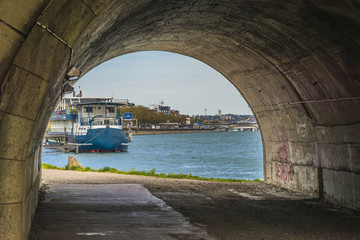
49	166
151	173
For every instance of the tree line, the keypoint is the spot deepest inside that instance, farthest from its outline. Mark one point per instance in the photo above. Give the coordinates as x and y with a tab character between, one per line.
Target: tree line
146	116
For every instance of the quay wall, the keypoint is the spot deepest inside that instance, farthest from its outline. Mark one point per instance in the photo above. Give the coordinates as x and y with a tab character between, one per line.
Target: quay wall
170	131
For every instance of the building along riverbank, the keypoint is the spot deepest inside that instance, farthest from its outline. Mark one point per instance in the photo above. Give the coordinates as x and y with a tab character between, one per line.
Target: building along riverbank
144	131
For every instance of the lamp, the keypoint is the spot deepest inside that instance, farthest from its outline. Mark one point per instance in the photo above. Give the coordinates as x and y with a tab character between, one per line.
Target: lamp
68	89
73	74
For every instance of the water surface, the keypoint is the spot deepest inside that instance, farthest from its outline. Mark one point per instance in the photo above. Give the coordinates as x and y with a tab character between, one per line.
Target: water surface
236	155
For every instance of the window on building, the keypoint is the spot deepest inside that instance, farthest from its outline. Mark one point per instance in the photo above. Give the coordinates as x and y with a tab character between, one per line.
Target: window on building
88	109
111	109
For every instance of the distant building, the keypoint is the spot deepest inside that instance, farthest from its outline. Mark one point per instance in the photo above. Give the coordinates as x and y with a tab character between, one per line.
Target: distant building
226	117
219	112
164	109
161	109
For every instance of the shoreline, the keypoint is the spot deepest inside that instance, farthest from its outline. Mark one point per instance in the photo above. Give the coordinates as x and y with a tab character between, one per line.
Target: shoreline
151	173
142	131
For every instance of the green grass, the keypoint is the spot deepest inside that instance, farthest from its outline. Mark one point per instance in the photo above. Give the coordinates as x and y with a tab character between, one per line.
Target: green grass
49	166
151	173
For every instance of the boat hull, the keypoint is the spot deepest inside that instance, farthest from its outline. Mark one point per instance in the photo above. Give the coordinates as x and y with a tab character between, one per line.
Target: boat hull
102	140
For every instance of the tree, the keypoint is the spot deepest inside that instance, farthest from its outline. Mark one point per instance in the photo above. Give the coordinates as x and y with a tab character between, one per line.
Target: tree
150	117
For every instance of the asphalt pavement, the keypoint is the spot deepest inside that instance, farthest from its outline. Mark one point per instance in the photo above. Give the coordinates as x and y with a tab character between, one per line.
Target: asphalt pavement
109	211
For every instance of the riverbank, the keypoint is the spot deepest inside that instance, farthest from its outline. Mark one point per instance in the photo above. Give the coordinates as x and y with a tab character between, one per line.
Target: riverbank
151	173
235	210
143	131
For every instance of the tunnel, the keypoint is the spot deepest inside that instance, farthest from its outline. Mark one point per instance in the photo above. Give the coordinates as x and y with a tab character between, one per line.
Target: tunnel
296	63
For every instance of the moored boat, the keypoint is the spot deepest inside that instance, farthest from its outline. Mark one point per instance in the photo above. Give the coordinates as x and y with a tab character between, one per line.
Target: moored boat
87	125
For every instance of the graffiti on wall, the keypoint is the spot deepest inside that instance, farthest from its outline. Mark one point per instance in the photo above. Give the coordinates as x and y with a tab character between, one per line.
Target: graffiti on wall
281	140
302	130
284	172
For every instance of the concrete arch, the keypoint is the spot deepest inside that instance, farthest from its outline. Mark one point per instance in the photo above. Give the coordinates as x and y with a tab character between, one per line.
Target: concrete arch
295	62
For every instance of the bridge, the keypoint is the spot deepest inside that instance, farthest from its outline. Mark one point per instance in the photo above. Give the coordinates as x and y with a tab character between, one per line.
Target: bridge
243	126
296	63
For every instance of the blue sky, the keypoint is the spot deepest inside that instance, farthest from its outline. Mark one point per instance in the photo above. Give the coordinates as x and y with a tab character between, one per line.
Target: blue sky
183	83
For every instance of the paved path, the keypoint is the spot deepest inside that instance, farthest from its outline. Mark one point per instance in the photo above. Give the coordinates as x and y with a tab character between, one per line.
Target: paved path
115	211
106	209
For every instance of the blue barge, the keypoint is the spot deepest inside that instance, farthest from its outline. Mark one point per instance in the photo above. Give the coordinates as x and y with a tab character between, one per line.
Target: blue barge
87	125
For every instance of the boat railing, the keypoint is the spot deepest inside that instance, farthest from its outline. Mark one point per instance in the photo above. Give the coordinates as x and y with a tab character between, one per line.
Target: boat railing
65	111
59	130
101	121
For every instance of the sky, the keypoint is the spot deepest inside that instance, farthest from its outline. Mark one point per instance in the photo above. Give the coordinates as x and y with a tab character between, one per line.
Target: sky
181	82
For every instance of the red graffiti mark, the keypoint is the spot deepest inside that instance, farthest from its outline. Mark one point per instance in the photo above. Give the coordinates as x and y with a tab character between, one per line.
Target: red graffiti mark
284	172
279	133
282	153
281	140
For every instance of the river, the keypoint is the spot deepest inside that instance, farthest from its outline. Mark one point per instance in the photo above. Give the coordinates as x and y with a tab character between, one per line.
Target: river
236	155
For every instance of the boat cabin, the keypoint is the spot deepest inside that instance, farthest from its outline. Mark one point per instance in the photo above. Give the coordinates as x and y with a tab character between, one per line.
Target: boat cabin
98	113
76	115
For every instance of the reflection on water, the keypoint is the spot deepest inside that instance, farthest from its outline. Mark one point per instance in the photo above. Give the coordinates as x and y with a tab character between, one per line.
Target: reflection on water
235	155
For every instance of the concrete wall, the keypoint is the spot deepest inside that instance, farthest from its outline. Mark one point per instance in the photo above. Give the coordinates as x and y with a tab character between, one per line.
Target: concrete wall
295	62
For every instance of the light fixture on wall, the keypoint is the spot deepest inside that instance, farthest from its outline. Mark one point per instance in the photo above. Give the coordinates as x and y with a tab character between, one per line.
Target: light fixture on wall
68	89
73	74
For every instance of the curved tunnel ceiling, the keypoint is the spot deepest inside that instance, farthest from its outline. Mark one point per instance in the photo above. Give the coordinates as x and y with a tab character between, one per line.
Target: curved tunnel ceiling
273	53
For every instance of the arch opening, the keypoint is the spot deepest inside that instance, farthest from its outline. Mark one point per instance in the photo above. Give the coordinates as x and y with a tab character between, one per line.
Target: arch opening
189	87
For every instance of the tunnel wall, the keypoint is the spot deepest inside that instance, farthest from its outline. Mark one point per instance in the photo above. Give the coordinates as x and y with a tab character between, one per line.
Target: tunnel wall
295	63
